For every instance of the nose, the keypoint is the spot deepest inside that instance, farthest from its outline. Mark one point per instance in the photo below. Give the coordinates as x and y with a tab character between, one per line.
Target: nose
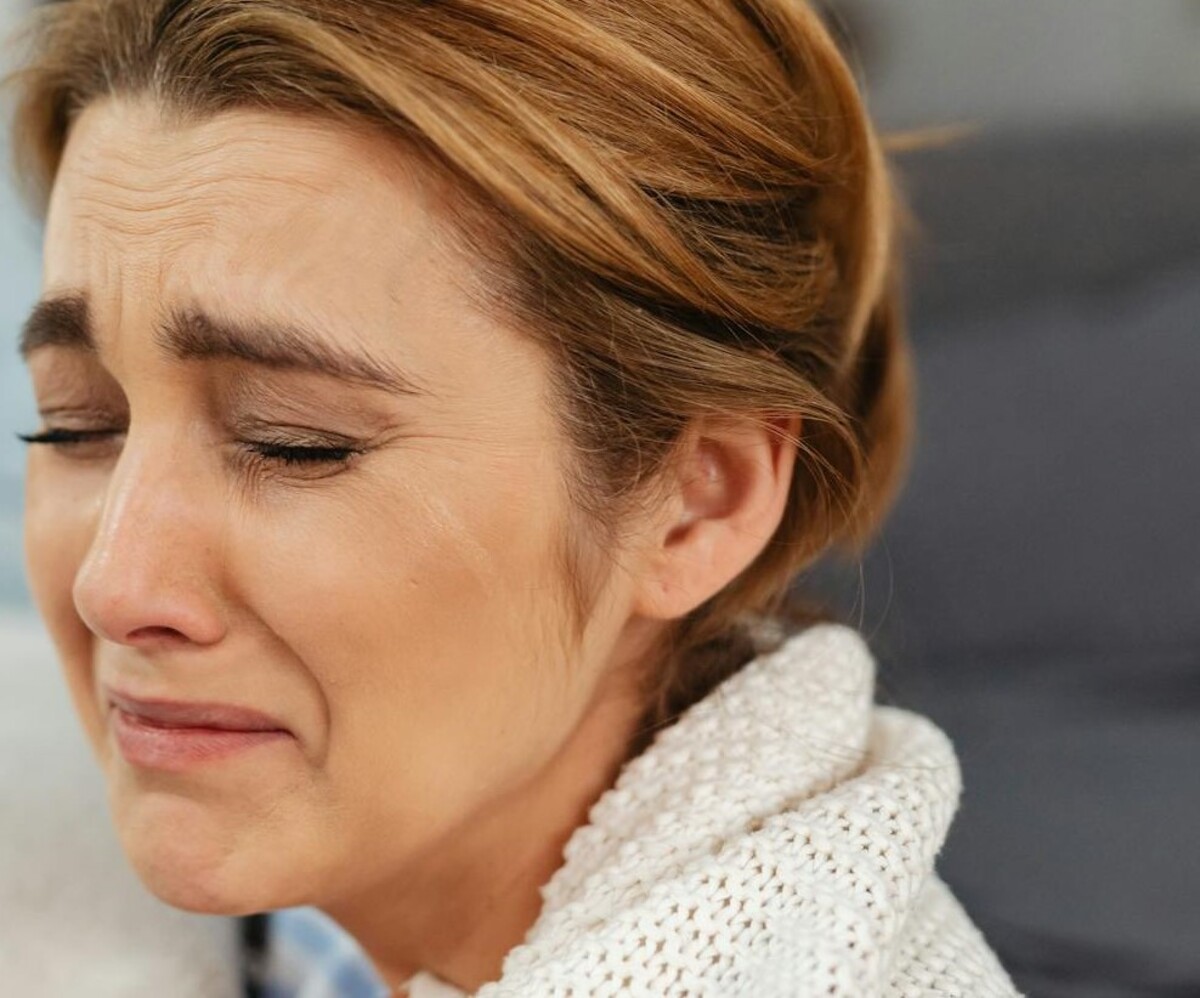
149	575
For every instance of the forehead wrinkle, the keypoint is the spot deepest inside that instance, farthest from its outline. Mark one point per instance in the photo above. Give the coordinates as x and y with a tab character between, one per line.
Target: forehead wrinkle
126	193
188	204
167	221
209	146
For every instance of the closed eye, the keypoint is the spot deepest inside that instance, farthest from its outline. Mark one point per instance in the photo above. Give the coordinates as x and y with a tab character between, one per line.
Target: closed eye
300	454
284	453
60	438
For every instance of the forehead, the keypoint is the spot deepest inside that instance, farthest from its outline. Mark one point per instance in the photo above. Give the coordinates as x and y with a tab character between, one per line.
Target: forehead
248	211
128	153
241	176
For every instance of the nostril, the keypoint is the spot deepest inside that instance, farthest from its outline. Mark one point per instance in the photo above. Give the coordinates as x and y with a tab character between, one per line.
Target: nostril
155	634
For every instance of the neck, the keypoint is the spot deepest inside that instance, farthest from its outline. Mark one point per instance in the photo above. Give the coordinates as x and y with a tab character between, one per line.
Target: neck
472	899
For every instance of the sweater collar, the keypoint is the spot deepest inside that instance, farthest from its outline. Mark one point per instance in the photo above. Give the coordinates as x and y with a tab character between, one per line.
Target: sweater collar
784	821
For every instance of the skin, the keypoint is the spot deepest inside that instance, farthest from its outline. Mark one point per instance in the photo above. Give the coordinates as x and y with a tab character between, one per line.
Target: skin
403	611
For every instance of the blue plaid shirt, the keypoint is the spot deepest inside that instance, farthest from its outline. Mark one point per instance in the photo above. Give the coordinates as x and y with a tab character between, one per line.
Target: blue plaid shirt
308	955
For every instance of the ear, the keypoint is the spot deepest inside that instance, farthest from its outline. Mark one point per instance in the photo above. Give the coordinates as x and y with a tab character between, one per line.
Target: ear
721	507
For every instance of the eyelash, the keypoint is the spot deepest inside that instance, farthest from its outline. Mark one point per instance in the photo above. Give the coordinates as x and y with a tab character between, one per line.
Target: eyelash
283	453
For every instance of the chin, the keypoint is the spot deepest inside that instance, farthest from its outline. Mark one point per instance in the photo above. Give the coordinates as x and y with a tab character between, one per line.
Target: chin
188	858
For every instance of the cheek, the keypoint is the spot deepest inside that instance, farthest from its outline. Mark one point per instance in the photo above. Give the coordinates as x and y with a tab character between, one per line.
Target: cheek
434	622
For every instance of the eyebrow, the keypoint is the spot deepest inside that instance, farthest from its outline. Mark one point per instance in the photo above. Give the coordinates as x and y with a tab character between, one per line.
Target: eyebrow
64	320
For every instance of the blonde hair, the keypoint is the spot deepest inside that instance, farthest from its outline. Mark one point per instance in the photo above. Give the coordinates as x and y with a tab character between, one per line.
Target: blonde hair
684	201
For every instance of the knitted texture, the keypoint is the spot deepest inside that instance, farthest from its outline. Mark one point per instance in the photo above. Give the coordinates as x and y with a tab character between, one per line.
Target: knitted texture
777	840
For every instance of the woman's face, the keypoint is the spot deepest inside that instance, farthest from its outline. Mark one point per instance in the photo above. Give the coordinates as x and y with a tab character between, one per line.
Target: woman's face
292	469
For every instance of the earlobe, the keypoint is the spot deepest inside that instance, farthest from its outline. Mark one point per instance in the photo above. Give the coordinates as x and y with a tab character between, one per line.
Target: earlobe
728	497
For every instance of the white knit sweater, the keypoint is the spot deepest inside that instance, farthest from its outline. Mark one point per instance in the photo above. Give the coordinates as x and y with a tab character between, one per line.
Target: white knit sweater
777	841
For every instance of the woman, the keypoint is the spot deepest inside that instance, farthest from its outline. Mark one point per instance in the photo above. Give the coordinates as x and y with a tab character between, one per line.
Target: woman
437	401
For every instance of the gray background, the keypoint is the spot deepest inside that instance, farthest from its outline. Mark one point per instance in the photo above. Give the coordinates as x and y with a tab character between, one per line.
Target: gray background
1036	591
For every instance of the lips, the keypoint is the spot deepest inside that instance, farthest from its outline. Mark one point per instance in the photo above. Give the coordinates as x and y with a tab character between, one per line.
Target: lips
209	716
176	737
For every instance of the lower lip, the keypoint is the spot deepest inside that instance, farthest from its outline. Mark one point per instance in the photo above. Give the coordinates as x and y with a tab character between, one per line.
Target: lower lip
176	749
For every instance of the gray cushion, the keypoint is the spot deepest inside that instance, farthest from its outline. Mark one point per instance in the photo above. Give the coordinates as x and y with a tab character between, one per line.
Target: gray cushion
1037	589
